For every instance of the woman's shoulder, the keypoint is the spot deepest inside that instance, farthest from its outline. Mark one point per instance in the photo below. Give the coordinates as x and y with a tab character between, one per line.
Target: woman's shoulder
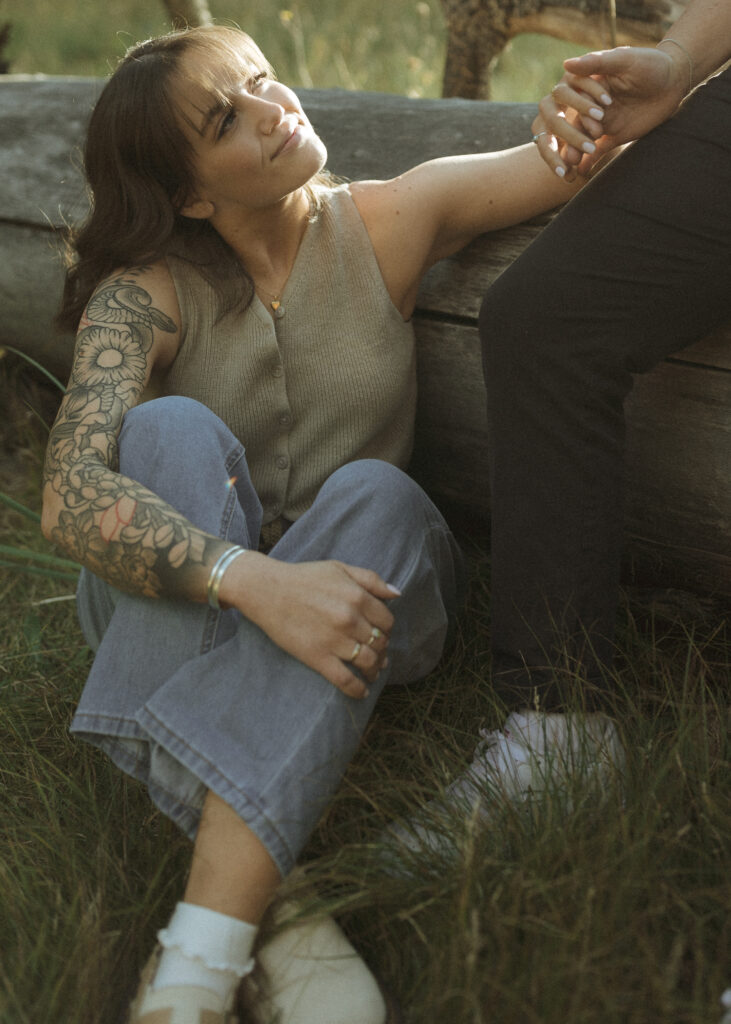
154	275
138	291
139	298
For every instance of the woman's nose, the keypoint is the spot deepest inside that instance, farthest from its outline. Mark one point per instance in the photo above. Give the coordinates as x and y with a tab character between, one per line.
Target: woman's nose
269	114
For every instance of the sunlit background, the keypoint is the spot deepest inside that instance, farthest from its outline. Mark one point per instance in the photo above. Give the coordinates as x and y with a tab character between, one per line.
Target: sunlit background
381	45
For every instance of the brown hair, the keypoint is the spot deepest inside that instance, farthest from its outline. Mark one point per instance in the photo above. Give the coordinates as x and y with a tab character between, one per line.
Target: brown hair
139	170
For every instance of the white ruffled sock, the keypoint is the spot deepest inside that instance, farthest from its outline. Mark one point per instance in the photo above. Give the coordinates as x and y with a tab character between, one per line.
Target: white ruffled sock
204	948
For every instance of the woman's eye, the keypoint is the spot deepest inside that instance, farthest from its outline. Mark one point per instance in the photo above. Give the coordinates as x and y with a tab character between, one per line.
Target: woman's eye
257	81
226	121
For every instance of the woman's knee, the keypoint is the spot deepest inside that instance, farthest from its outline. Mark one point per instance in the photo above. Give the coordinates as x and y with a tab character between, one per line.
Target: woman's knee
374	481
377	499
174	430
187	456
171	417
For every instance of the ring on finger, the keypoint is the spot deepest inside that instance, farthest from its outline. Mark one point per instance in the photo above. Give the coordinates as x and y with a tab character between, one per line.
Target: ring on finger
376	634
356	651
537	136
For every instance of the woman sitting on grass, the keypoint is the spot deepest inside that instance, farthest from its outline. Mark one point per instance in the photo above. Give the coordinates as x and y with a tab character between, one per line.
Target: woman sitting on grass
247	608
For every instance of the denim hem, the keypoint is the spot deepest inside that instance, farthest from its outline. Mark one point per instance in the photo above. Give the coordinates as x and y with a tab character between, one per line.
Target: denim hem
110	735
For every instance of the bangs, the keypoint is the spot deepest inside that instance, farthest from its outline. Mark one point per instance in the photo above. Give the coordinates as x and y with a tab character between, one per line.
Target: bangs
226	58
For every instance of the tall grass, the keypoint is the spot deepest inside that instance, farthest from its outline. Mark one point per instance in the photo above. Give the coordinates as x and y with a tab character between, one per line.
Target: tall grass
612	911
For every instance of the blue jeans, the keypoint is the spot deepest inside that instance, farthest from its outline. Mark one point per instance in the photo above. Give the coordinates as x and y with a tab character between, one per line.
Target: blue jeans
188	699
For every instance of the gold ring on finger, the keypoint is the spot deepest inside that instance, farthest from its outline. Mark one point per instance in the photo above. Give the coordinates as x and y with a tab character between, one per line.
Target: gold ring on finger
537	136
356	651
376	634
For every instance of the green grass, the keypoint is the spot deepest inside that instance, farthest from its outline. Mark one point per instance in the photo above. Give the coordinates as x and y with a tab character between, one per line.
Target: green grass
385	46
610	912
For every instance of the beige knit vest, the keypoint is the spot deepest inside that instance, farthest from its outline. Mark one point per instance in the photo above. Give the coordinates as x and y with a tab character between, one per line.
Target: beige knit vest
331	380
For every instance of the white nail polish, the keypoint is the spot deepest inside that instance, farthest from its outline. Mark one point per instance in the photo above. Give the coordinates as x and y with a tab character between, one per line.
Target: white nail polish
596	112
605	98
561	172
589	147
394	590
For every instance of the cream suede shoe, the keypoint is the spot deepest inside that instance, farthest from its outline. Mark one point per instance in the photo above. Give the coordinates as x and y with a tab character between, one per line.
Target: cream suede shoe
309	973
179	1004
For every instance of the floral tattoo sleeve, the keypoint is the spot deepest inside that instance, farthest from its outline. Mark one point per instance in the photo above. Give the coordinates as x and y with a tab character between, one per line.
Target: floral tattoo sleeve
111	524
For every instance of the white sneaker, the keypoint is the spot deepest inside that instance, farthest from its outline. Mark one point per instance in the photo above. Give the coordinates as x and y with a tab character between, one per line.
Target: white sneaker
533	753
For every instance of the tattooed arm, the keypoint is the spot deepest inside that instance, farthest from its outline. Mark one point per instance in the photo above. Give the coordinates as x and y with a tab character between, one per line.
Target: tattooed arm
128	536
109	523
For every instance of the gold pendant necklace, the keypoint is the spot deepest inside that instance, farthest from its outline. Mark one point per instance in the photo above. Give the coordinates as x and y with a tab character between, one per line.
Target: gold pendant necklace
275	303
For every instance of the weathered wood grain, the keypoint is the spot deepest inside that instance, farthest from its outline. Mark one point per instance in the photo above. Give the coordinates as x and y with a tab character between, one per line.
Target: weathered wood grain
679	431
455	286
31	280
42	123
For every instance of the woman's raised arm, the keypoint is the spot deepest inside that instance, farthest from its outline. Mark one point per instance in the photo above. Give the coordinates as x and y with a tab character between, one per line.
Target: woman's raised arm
438	207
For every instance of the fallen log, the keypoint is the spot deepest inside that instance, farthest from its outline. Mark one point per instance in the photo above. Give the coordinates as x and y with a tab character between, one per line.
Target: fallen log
679	434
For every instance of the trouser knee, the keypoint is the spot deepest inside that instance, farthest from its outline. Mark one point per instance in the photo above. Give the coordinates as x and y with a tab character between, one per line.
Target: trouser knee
170	428
373	478
383	495
188	457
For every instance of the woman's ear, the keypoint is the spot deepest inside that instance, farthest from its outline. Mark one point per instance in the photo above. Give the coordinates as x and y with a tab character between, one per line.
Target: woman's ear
198	209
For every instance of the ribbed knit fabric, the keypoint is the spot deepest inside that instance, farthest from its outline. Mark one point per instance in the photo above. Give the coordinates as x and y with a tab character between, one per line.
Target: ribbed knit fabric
332	380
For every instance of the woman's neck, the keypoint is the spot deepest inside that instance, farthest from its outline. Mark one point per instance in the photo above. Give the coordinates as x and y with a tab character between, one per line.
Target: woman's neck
267	241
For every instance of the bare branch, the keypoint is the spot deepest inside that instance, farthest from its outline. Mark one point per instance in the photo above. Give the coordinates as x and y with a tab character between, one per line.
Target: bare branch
479	30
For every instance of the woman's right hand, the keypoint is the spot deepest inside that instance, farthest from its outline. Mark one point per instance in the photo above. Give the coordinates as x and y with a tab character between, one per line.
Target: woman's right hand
329	615
632	89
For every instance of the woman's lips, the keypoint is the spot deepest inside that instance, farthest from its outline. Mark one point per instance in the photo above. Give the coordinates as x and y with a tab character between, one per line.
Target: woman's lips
292	137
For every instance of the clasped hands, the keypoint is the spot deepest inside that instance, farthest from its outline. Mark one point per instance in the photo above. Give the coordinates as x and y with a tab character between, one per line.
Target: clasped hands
605	100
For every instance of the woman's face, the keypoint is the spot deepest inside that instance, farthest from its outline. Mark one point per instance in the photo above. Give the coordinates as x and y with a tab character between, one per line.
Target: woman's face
252	141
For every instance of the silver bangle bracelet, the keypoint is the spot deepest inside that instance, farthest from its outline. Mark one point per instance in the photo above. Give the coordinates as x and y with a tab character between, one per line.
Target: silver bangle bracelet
220	567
